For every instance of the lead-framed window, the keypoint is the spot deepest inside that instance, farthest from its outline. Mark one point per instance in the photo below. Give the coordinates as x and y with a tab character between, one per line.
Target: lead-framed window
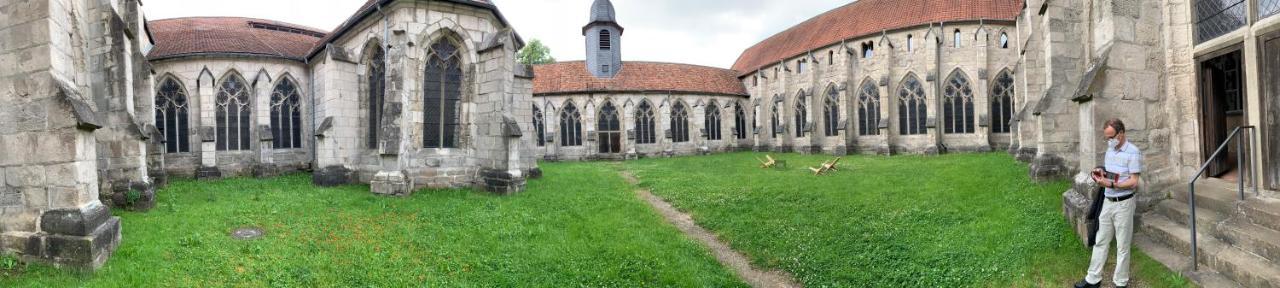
172	112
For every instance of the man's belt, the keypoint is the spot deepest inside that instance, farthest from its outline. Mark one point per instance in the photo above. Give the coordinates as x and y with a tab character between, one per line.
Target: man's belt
1121	198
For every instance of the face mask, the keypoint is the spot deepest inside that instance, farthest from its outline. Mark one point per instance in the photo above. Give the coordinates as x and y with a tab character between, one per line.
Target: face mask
1111	143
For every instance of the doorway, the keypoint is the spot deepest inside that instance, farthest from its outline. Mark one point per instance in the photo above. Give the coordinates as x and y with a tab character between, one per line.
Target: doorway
1271	100
609	130
1222	109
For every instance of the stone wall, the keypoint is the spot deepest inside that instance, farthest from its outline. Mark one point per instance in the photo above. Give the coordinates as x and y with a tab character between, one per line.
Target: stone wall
931	57
58	91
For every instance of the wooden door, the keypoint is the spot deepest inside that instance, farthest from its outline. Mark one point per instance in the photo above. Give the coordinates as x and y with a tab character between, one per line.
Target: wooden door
1271	101
1211	121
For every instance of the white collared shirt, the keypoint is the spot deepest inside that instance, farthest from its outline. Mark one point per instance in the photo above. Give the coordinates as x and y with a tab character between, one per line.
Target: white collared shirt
1126	162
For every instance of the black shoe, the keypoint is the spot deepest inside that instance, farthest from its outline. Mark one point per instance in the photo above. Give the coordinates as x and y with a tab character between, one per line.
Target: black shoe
1085	284
1126	286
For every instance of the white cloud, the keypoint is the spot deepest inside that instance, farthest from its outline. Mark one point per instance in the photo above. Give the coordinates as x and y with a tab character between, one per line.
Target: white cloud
704	32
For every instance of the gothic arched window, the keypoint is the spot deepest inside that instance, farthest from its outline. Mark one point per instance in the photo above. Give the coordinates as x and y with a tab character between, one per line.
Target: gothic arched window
645	128
377	84
802	114
869	109
1002	103
831	113
570	126
777	120
609	129
1004	40
957	105
740	121
171	116
679	123
443	93
712	121
539	125
233	111
912	107
286	116
911	45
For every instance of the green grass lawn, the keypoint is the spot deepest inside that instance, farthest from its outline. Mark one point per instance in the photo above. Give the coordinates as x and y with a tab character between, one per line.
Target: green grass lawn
969	220
579	226
903	221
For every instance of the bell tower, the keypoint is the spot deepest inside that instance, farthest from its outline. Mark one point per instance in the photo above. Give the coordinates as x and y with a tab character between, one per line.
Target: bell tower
604	41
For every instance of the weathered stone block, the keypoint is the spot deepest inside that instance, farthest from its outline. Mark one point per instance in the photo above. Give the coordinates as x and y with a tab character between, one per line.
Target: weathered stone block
76	221
391	183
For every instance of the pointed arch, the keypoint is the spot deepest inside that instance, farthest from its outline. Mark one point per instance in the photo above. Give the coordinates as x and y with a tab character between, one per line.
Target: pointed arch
831	112
173	109
912	106
286	114
711	121
801	113
739	120
1002	102
957	104
233	113
609	128
679	122
570	125
539	125
868	107
442	94
645	127
776	118
375	85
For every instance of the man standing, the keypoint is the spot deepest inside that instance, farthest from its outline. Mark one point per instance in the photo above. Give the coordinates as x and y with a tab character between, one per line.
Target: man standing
1123	165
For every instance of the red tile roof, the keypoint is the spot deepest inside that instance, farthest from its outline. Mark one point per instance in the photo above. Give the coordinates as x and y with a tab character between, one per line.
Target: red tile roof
867	17
573	77
231	35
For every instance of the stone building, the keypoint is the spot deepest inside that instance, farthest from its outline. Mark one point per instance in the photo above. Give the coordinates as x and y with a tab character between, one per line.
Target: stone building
606	108
933	77
1182	74
403	95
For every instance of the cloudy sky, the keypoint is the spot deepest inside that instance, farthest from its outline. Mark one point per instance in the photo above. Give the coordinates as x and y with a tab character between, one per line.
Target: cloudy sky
705	32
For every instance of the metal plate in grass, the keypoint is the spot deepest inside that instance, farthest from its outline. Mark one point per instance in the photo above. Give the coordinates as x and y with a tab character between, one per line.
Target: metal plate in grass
248	233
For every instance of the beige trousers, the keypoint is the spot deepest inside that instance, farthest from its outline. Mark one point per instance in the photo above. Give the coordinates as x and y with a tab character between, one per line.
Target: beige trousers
1116	220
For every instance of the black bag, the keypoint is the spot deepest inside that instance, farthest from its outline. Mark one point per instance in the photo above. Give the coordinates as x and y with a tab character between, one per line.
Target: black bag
1095	208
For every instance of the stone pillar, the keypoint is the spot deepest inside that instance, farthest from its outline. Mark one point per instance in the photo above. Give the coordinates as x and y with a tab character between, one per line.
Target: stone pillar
391	178
505	161
262	87
1064	33
205	89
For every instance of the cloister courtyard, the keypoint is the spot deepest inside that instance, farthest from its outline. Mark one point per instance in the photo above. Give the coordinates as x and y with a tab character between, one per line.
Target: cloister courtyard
956	220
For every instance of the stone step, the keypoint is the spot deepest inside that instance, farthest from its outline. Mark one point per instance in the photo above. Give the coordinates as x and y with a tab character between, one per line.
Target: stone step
1246	268
1205	277
1264	211
1248	236
1211	194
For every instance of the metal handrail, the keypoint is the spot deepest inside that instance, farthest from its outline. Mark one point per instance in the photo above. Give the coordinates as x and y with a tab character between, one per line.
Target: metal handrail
1191	193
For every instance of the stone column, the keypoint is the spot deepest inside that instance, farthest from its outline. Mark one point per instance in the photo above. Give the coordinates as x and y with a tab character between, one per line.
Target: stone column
206	84
500	151
391	178
262	87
